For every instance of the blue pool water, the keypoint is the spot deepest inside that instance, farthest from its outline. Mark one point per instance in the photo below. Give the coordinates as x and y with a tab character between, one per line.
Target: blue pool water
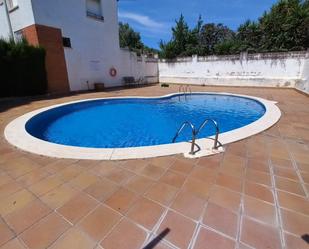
119	123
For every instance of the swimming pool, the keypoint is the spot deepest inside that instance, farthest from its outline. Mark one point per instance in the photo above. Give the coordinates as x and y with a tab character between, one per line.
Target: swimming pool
138	127
122	123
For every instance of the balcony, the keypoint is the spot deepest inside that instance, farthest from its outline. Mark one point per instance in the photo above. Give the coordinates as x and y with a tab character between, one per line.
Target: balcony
94	9
95	16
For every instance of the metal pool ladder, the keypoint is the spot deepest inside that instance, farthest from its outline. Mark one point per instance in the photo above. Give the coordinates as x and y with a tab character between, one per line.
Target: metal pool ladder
195	133
185	89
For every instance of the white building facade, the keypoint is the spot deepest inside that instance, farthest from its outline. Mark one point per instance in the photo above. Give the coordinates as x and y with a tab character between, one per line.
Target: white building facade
81	38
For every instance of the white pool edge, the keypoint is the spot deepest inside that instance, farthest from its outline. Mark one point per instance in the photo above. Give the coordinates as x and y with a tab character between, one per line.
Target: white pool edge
16	134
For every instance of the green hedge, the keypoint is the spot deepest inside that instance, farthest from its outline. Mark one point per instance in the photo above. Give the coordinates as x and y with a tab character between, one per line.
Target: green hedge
22	69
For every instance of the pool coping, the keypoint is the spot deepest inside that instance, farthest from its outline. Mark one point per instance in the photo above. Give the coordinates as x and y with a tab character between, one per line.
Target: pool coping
16	134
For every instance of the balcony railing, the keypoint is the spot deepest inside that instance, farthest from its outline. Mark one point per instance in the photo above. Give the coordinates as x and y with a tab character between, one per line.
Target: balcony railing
95	16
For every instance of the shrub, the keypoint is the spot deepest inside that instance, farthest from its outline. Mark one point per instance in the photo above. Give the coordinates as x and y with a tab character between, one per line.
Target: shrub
22	69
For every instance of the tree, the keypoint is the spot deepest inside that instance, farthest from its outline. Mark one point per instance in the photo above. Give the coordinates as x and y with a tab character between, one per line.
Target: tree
168	50
200	40
129	38
195	46
212	34
231	46
249	36
184	42
181	35
285	26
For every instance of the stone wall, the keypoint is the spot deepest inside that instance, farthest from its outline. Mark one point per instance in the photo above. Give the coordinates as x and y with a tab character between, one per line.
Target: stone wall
267	70
303	83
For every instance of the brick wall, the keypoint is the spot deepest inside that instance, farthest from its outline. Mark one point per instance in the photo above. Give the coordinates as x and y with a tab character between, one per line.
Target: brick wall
51	39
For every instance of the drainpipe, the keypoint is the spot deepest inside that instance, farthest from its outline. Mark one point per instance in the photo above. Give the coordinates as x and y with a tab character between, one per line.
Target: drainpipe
8	19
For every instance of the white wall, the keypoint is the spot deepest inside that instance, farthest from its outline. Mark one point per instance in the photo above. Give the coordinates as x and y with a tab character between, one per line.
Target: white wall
4	27
138	67
273	69
303	83
21	17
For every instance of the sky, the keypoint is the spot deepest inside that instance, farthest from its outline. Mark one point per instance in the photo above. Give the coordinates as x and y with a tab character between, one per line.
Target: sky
154	18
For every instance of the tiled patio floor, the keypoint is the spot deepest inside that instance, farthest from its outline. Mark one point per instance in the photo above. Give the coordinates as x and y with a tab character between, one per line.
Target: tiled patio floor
255	195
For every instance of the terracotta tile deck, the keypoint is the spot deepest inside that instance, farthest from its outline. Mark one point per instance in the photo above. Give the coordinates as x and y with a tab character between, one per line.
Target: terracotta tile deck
255	195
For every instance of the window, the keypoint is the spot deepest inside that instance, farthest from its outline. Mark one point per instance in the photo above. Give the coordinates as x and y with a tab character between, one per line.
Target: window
18	35
12	4
94	9
66	42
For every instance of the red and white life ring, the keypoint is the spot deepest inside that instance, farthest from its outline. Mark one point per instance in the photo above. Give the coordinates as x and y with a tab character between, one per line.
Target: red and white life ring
113	72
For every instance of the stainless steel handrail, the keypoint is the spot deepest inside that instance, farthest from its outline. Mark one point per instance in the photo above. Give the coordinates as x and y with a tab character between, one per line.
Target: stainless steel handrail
217	143
181	88
188	89
184	89
195	133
